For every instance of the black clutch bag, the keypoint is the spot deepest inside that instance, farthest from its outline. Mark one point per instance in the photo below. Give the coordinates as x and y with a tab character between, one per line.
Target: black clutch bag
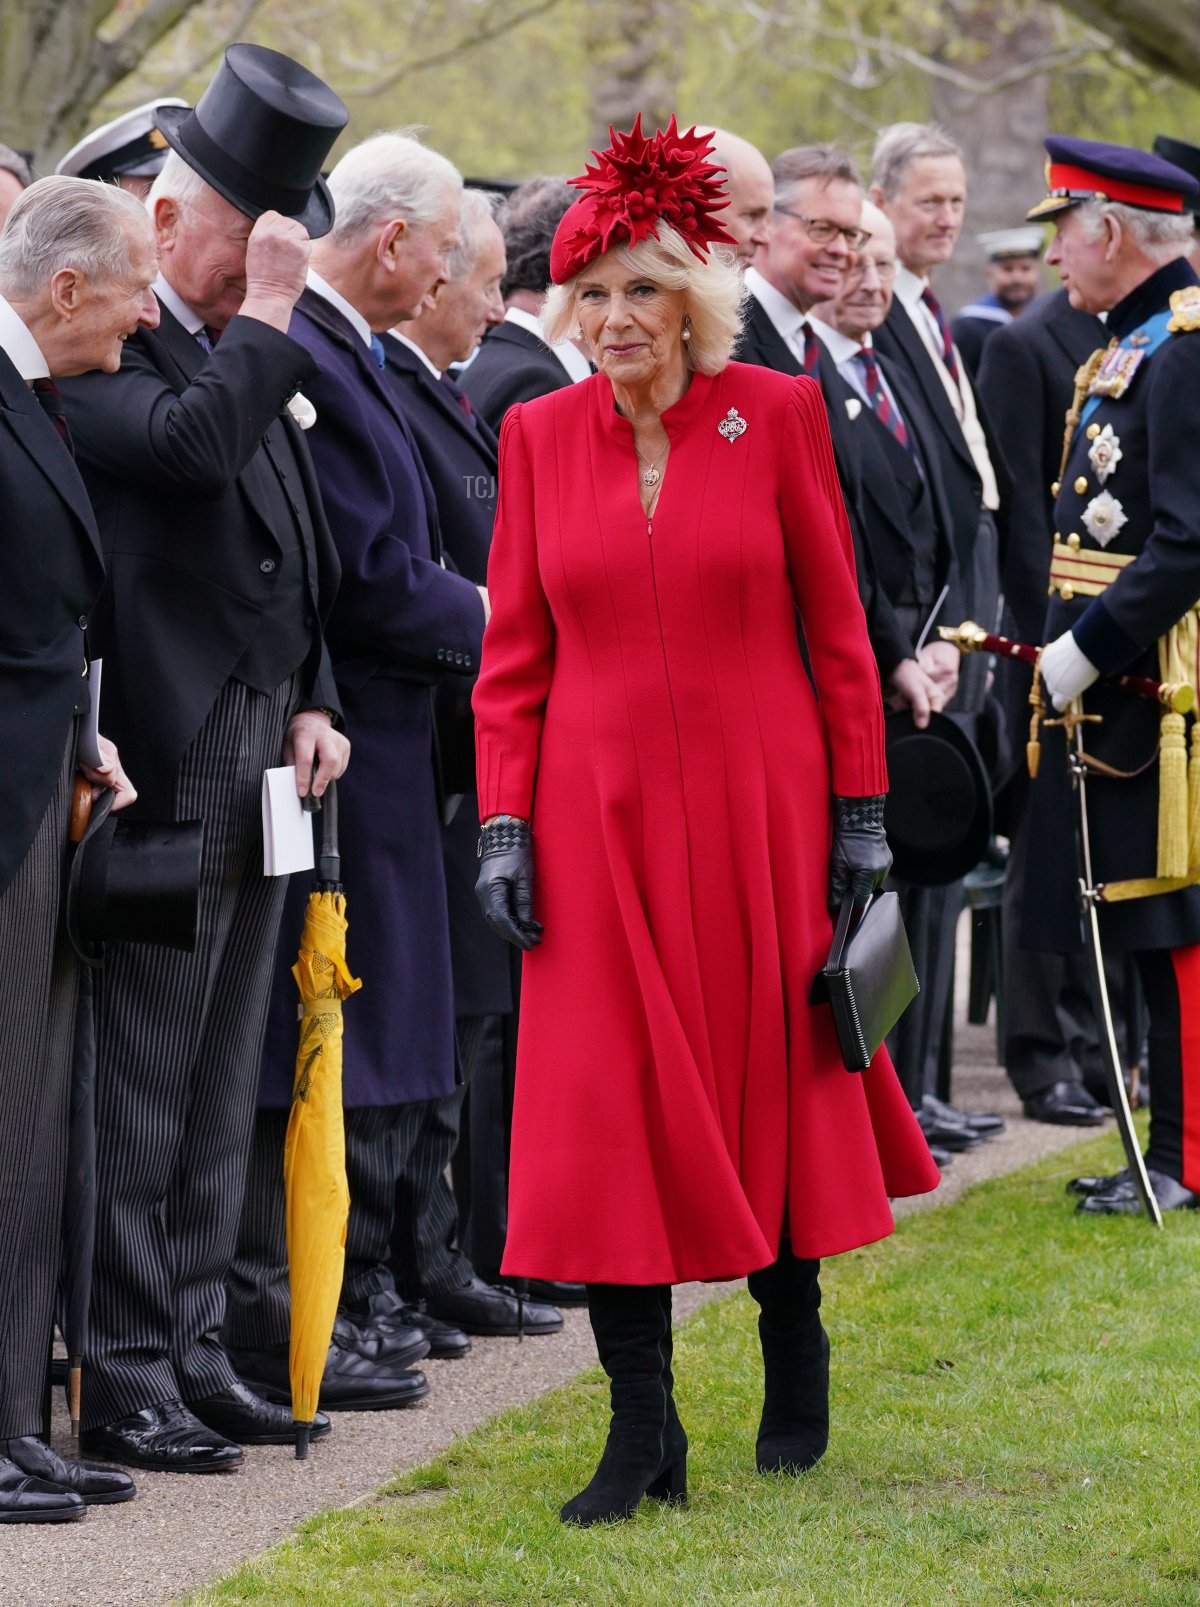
868	979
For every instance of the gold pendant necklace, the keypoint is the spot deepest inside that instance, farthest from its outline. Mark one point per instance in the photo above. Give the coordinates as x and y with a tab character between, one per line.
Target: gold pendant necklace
652	474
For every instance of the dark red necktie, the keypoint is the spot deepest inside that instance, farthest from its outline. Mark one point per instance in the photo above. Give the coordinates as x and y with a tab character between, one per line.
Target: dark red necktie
939	318
460	396
812	352
50	399
881	403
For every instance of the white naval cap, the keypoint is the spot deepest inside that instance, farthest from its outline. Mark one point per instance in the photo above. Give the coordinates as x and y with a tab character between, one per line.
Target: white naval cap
1026	241
130	145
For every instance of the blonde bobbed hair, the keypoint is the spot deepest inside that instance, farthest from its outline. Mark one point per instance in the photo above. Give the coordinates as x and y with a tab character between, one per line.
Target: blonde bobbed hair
713	289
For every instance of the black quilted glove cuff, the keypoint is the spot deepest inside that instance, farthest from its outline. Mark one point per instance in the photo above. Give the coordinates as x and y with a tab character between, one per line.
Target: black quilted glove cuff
504	833
854	814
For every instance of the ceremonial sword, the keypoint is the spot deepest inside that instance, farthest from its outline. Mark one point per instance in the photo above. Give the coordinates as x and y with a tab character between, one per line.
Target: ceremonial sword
1180	697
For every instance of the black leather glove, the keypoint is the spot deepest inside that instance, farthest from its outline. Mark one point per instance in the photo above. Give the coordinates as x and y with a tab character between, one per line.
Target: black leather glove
505	885
861	858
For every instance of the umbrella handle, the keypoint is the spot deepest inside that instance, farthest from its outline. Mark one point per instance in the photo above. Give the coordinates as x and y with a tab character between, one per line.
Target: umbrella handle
329	860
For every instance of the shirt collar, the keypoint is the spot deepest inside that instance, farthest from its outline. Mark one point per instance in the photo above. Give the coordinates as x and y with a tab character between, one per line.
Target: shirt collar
840	347
568	354
784	314
335	299
413	347
910	287
19	346
177	307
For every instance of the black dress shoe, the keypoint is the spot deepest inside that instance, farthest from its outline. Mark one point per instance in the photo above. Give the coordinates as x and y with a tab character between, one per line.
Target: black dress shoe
163	1439
25	1498
350	1382
485	1308
549	1289
241	1415
1066	1104
97	1486
1122	1198
1096	1185
943	1133
382	1347
983	1122
942	1158
386	1310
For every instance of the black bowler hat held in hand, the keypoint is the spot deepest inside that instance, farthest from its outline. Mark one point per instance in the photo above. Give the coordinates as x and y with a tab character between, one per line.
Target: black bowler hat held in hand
260	134
938	814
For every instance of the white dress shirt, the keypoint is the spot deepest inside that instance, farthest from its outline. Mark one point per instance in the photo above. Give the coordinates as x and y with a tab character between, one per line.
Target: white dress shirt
786	317
413	347
19	346
335	299
844	352
909	289
177	307
568	354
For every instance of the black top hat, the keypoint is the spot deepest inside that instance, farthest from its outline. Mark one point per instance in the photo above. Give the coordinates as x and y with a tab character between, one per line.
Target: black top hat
1182	155
134	881
939	806
259	135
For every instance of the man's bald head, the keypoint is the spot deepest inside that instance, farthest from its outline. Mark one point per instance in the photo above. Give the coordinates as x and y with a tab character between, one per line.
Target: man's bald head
751	192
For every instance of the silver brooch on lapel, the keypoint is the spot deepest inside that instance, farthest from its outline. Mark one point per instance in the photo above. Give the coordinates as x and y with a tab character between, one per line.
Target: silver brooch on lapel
732	425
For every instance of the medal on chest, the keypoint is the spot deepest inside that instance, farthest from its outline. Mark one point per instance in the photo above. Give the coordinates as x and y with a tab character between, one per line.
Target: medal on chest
1115	374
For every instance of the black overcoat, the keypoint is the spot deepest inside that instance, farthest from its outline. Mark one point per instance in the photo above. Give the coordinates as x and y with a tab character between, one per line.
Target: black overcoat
460	456
53	573
175	450
401	621
512	365
1157	483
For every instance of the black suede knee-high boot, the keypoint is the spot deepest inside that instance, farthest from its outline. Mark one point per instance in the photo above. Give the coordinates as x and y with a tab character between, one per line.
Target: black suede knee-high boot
794	1431
646	1452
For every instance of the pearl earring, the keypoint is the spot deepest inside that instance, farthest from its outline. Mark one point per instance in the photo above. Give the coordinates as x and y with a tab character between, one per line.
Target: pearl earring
687	326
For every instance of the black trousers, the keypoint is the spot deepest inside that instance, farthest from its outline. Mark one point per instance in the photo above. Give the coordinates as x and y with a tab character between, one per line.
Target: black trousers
915	1043
179	1043
401	1228
487	1049
37	1010
1171	984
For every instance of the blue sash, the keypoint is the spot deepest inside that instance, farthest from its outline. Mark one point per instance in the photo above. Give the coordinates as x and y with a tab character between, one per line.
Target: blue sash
1145	340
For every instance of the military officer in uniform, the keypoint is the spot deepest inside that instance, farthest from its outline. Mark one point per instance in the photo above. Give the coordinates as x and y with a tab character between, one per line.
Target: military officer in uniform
1124	580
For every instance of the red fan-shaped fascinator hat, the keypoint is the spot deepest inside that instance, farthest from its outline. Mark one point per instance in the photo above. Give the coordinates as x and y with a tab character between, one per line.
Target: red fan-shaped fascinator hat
635	185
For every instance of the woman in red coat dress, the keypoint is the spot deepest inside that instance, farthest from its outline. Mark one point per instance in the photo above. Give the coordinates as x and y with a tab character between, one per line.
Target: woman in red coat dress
649	742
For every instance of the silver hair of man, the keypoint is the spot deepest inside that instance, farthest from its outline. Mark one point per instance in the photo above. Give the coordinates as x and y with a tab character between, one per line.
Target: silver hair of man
178	182
66	223
899	146
478	208
1162	236
390	175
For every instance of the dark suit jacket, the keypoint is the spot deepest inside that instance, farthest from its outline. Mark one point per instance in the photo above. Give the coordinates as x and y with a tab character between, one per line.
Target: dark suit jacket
905	514
512	365
460	457
762	343
53	572
176	449
1027	381
401	622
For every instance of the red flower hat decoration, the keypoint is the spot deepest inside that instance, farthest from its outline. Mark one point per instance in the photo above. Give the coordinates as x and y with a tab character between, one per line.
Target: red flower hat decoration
635	185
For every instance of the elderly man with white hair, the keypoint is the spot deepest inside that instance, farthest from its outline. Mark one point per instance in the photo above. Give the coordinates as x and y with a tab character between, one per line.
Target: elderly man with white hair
220	568
403	623
76	264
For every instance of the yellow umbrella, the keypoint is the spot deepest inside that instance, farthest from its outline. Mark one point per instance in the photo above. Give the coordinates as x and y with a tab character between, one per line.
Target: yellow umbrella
314	1157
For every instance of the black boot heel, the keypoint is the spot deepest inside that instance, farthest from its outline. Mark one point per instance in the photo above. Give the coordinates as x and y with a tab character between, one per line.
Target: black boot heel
671	1485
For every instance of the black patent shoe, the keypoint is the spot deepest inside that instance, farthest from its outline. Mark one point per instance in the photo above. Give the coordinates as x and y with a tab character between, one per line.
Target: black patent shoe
388	1313
1122	1198
25	1498
350	1382
945	1133
942	1158
1065	1104
1096	1185
392	1347
484	1308
163	1439
96	1486
982	1122
240	1415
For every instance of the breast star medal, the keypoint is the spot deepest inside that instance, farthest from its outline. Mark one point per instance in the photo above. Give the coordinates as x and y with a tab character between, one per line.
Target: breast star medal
1104	516
732	425
1105	452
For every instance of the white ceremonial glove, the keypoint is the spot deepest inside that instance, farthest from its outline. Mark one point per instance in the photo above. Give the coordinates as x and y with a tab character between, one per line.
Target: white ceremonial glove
1066	671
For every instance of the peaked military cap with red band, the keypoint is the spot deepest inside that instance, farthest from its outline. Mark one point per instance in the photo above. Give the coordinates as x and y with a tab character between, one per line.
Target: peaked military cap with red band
1082	170
637	184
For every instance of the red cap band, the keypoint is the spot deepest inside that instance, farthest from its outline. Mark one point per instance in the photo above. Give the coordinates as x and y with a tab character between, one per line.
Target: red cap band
1062	177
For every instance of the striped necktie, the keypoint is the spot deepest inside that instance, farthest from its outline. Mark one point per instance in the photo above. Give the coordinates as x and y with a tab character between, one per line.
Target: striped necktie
881	403
812	351
943	328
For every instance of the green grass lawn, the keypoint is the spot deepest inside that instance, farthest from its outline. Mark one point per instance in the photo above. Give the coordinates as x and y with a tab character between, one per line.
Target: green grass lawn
1016	1418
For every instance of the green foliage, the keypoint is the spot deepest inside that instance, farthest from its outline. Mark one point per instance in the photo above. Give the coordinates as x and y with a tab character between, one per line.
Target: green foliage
1015	1420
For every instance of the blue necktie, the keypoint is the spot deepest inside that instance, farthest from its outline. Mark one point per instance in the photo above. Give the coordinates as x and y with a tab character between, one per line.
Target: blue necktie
377	351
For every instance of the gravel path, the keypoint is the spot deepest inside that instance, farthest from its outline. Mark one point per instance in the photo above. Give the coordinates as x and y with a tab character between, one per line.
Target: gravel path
185	1530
